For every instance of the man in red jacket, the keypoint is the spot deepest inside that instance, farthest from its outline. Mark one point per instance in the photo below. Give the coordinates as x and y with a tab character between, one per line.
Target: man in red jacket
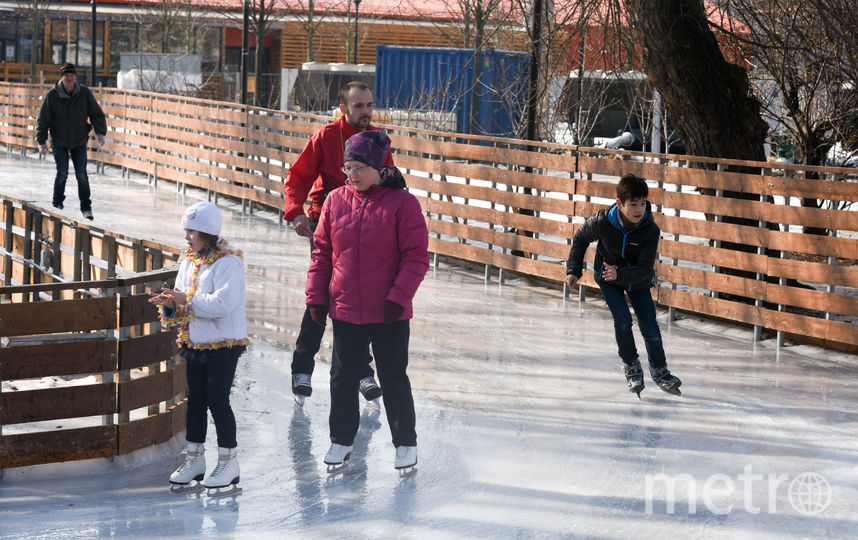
316	172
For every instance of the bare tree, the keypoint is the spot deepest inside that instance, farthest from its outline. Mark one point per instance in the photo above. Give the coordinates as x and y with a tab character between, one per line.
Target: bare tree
480	27
263	13
310	19
162	21
709	99
805	73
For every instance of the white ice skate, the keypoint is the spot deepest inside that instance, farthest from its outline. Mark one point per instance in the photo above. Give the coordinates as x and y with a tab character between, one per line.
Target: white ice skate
406	460
193	469
301	388
224	479
370	390
338	457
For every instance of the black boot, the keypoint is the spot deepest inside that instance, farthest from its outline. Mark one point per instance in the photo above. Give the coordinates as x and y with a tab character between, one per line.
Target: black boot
665	380
634	376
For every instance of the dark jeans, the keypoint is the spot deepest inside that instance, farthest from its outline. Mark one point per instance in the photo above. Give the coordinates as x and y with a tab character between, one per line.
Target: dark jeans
310	339
644	308
390	347
210	376
78	156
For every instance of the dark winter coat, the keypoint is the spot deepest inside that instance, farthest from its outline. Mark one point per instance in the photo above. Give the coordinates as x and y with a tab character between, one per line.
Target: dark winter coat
371	247
65	115
633	251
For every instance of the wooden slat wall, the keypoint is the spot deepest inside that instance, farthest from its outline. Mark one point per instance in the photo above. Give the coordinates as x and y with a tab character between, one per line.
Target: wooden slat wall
71	250
76	337
515	204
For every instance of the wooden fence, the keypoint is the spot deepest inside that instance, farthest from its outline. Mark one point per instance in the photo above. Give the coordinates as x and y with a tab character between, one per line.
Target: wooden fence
80	347
514	205
48	73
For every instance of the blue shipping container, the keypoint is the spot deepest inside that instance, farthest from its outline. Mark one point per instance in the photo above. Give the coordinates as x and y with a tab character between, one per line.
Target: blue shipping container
439	79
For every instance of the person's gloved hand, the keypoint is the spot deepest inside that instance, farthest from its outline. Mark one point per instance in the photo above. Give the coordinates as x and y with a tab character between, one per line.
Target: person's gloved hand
43	149
392	312
319	313
100	138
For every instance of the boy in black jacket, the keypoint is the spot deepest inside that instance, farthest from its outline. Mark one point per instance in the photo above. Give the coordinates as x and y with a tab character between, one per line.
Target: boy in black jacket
625	254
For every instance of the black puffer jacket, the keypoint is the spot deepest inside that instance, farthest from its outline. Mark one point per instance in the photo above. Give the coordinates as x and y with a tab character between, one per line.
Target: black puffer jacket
632	251
65	115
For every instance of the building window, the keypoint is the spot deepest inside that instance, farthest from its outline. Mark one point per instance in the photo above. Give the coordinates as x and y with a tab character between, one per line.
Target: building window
123	39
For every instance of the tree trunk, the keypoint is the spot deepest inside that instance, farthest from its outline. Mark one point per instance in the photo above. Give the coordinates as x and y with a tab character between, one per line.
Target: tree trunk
707	98
311	30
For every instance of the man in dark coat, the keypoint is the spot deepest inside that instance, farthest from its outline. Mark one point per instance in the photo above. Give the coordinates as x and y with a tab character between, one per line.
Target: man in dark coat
69	112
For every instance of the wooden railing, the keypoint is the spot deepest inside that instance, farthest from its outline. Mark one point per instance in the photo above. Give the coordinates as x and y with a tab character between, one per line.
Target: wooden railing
41	246
514	205
86	370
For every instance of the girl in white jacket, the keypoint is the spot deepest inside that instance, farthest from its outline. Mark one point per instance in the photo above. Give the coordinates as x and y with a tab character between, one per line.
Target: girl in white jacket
207	306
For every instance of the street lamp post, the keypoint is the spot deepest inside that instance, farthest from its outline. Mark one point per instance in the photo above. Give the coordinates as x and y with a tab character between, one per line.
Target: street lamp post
245	46
354	49
94	43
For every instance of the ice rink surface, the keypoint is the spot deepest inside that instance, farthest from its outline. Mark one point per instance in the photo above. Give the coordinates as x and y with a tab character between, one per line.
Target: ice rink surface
525	427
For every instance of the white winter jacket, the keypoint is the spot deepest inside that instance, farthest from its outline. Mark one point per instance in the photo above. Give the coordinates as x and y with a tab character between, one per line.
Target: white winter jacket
217	311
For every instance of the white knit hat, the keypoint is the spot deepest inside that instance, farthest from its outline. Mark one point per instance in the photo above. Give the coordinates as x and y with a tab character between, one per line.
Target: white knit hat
203	217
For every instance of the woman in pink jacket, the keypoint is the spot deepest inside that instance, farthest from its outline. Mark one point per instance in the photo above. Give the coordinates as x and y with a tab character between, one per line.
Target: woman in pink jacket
371	255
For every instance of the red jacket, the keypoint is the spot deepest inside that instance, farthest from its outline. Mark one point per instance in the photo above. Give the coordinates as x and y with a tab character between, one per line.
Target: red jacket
371	247
319	167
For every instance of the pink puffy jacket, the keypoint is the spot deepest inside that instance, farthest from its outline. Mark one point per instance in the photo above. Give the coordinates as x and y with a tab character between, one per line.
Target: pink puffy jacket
371	247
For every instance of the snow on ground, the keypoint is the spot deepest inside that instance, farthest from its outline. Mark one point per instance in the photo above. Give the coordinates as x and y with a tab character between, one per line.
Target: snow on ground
525	428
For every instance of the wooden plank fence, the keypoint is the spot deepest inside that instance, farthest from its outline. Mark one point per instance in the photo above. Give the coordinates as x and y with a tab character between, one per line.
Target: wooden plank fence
514	205
74	315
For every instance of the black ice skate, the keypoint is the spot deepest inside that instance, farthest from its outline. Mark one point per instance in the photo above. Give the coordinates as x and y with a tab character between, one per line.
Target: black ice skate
665	380
301	388
634	377
370	390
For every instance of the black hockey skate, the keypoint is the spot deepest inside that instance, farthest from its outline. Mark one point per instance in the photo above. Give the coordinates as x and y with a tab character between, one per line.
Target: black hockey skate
665	380
634	377
301	388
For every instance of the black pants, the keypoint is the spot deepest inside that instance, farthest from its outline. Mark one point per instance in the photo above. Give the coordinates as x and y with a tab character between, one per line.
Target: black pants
310	339
210	376
390	347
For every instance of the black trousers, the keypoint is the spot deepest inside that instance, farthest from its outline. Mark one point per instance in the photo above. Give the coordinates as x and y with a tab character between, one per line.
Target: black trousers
310	339
210	376
308	343
390	347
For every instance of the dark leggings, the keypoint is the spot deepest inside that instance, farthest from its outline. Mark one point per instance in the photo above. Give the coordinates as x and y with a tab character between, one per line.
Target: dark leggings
210	376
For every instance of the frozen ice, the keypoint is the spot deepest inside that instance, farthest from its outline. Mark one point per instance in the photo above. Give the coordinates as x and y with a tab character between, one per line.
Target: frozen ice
525	426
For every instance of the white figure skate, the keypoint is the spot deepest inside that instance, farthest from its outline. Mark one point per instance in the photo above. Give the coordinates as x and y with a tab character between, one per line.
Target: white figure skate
406	460
337	458
191	472
224	479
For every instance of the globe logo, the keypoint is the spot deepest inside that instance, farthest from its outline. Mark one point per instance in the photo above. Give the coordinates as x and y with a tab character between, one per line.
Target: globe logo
809	493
